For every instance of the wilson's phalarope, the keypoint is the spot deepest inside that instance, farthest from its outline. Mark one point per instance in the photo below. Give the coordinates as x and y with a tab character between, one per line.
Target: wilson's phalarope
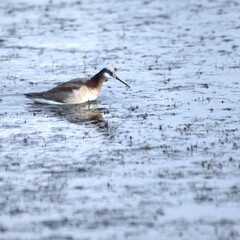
77	90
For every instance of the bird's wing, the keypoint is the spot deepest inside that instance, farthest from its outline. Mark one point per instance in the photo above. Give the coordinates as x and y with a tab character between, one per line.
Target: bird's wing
69	86
60	92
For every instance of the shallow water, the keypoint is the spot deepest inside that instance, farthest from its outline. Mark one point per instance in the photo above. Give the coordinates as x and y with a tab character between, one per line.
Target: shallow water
158	161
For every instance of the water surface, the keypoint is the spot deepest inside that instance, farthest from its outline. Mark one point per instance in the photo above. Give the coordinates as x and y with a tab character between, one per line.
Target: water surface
157	161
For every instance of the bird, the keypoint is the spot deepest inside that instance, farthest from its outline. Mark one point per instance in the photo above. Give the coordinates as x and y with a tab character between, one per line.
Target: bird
76	91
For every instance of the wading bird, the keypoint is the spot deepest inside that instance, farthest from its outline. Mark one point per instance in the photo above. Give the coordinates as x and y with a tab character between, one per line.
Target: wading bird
76	90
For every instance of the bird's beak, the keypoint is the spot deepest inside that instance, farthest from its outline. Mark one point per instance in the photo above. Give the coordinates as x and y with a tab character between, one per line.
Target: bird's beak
122	81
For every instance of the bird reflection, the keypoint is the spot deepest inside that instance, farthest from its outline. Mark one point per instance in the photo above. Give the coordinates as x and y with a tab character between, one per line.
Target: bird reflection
75	113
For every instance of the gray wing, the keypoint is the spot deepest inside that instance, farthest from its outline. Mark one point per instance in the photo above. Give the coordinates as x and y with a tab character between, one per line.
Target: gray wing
60	92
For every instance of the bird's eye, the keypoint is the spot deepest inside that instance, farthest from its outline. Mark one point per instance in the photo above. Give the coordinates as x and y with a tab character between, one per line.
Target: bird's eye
110	73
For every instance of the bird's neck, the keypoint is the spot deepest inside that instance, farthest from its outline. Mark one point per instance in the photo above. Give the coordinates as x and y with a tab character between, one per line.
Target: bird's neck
96	82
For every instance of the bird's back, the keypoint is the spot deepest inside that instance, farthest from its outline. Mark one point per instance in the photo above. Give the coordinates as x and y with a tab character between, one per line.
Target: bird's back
61	92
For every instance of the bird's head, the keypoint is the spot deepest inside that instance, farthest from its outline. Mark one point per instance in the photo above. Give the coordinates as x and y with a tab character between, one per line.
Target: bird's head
110	73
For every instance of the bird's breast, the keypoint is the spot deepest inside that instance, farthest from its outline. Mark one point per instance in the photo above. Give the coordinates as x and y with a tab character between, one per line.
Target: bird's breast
83	94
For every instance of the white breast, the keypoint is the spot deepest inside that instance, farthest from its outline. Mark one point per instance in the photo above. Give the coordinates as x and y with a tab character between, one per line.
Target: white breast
84	94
